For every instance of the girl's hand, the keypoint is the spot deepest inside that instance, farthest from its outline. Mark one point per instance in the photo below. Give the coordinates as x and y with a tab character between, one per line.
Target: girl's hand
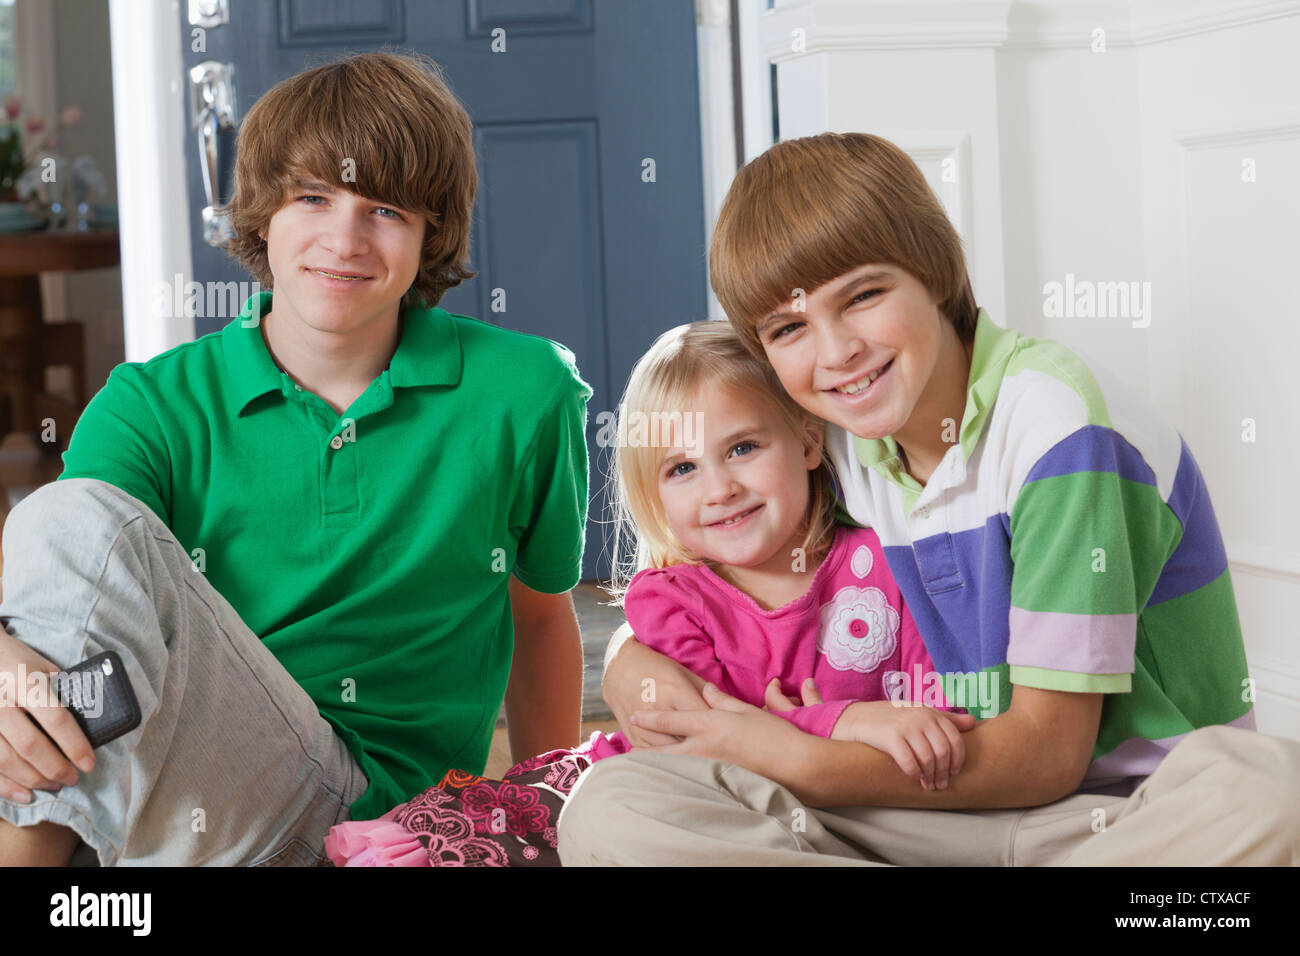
639	678
775	700
924	742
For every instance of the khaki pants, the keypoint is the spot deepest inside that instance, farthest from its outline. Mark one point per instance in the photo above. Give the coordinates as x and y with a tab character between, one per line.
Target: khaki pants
1223	796
232	763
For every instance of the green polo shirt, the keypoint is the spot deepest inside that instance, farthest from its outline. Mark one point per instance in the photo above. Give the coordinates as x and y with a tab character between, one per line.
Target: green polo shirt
370	551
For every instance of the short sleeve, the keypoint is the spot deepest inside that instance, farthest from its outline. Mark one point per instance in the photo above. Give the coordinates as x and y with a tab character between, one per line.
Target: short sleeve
1090	535
666	616
118	439
816	719
550	510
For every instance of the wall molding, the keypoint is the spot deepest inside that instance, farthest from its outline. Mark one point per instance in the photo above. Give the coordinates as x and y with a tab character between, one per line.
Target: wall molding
1062	24
1046	25
1260	130
1015	24
1277	695
890	25
1157	21
935	146
1274	676
1278	564
1255	560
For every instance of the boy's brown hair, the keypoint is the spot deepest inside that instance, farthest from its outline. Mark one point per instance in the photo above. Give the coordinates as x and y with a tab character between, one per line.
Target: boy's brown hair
810	210
409	140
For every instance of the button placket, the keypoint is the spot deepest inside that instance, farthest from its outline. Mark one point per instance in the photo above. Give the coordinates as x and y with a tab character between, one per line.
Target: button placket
340	494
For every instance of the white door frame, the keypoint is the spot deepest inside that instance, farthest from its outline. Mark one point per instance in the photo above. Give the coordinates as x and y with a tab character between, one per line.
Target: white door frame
153	204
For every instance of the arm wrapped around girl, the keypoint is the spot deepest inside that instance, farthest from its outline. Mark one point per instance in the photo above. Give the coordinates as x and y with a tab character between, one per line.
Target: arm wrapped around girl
740	573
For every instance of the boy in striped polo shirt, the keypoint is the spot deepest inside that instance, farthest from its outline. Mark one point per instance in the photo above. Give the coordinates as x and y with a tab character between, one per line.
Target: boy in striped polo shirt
1066	542
1053	539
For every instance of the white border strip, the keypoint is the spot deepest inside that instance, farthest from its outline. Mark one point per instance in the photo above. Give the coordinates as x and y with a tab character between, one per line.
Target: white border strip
148	101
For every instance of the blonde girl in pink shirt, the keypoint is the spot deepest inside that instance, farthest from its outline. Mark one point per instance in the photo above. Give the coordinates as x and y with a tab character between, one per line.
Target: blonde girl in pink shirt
739	570
729	559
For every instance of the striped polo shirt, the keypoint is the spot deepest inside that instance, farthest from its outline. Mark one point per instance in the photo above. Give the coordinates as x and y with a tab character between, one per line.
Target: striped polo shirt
1067	542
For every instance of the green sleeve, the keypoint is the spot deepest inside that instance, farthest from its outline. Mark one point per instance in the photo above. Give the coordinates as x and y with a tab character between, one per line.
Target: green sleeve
118	439
550	509
1087	547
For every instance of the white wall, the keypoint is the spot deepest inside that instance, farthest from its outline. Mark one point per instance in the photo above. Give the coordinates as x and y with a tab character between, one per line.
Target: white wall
1115	156
1226	250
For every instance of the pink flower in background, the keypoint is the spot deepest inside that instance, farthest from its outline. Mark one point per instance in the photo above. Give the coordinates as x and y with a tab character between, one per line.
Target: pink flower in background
34	124
13	106
72	116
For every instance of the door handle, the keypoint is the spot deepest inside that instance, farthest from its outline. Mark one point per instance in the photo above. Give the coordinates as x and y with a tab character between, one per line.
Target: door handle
209	13
212	106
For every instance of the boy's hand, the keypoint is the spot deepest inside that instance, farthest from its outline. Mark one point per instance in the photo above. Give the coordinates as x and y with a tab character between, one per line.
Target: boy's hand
924	742
28	759
737	733
639	678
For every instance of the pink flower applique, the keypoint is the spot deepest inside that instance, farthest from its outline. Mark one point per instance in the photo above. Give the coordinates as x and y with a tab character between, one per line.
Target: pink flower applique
859	629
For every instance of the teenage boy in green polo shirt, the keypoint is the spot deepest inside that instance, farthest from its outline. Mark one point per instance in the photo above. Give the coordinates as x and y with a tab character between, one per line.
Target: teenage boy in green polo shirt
323	540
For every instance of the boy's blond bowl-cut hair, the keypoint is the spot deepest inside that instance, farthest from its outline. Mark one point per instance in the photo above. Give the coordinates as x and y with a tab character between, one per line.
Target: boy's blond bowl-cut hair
810	210
392	120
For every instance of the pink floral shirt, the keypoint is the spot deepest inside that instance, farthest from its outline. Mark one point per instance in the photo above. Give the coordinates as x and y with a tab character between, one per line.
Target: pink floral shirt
850	632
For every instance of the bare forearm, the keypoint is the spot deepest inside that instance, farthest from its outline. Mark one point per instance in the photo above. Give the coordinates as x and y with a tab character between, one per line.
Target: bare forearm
1009	763
544	697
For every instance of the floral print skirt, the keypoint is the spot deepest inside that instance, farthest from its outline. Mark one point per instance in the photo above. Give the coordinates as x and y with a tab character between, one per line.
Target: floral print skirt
468	820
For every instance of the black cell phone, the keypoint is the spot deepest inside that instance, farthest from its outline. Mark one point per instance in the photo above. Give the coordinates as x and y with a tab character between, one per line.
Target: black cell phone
99	694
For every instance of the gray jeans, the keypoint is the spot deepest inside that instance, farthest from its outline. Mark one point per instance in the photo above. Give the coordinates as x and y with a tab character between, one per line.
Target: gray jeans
232	763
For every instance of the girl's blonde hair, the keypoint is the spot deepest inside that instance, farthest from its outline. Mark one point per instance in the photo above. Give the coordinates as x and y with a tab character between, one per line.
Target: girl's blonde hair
711	355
